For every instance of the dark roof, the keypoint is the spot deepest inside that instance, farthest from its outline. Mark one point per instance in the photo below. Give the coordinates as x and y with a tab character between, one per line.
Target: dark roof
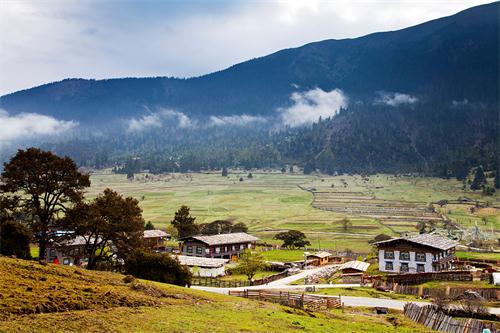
430	240
234	238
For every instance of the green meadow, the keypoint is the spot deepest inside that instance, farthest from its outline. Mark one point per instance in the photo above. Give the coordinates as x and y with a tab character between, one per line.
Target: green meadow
271	201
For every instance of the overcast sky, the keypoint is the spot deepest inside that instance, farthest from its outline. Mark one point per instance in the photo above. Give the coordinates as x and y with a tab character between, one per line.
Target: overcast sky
44	41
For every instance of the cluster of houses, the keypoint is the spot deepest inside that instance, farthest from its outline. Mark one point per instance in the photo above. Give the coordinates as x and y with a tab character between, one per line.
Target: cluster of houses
207	255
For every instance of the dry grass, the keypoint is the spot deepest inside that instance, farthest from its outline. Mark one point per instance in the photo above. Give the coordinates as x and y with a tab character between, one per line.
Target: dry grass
36	298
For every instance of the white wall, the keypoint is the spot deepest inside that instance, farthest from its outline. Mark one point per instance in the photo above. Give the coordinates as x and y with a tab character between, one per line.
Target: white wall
412	263
208	272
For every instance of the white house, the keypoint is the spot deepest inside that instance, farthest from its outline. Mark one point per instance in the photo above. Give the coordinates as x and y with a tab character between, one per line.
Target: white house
416	254
204	267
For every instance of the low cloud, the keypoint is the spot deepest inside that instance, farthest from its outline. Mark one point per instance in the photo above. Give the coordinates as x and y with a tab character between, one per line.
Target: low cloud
158	119
395	99
235	120
310	105
457	104
30	125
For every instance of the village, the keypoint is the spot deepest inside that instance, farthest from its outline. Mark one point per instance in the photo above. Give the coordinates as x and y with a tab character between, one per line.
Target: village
416	272
403	264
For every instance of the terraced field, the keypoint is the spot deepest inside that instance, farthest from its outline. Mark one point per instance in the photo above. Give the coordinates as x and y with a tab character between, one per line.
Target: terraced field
398	216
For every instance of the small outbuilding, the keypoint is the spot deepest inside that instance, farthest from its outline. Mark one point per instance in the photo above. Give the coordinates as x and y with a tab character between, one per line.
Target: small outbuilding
319	258
353	271
156	240
354	266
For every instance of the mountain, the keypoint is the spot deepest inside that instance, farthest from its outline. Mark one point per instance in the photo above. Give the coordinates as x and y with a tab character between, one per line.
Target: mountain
421	99
455	57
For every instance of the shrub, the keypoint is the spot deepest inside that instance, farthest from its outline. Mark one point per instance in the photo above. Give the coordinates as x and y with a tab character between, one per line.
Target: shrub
15	239
159	267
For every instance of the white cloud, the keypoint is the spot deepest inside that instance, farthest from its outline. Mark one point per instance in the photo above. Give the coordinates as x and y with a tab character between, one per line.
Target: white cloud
43	41
235	120
395	99
144	122
158	119
30	125
310	105
456	104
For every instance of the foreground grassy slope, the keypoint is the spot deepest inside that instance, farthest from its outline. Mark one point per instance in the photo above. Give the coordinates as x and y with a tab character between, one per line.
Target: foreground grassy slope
35	298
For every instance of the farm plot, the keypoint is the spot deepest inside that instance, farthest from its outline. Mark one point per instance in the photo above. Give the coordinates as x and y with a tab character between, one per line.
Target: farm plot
398	216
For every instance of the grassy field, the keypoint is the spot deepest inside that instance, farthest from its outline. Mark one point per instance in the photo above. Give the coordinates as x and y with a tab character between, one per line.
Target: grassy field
478	255
366	292
270	202
241	277
36	298
283	255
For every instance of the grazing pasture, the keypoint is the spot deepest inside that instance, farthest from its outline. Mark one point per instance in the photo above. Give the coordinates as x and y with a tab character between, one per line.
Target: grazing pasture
270	202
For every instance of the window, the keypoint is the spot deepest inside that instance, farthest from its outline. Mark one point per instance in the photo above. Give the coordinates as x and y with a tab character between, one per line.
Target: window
65	261
242	246
420	268
217	250
234	247
389	254
225	249
419	256
404	256
404	267
389	266
199	250
190	249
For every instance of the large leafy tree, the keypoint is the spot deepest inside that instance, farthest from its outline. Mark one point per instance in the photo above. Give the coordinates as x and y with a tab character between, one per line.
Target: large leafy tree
43	186
111	226
184	222
292	239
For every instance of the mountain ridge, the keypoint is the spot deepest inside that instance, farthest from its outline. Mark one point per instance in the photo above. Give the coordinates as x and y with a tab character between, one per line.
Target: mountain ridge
359	66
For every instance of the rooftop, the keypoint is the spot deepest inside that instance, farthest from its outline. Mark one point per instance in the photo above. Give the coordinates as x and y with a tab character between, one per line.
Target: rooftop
155	233
355	264
202	261
237	237
320	254
430	240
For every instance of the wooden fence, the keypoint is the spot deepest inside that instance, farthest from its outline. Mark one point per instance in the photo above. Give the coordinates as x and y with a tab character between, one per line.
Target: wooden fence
216	282
452	292
418	278
219	283
303	301
434	319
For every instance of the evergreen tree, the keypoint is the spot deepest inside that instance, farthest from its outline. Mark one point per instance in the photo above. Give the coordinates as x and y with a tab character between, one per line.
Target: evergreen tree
149	226
479	179
184	222
224	172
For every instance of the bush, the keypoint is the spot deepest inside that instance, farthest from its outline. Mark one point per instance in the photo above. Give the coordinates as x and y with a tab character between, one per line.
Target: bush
159	267
15	239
